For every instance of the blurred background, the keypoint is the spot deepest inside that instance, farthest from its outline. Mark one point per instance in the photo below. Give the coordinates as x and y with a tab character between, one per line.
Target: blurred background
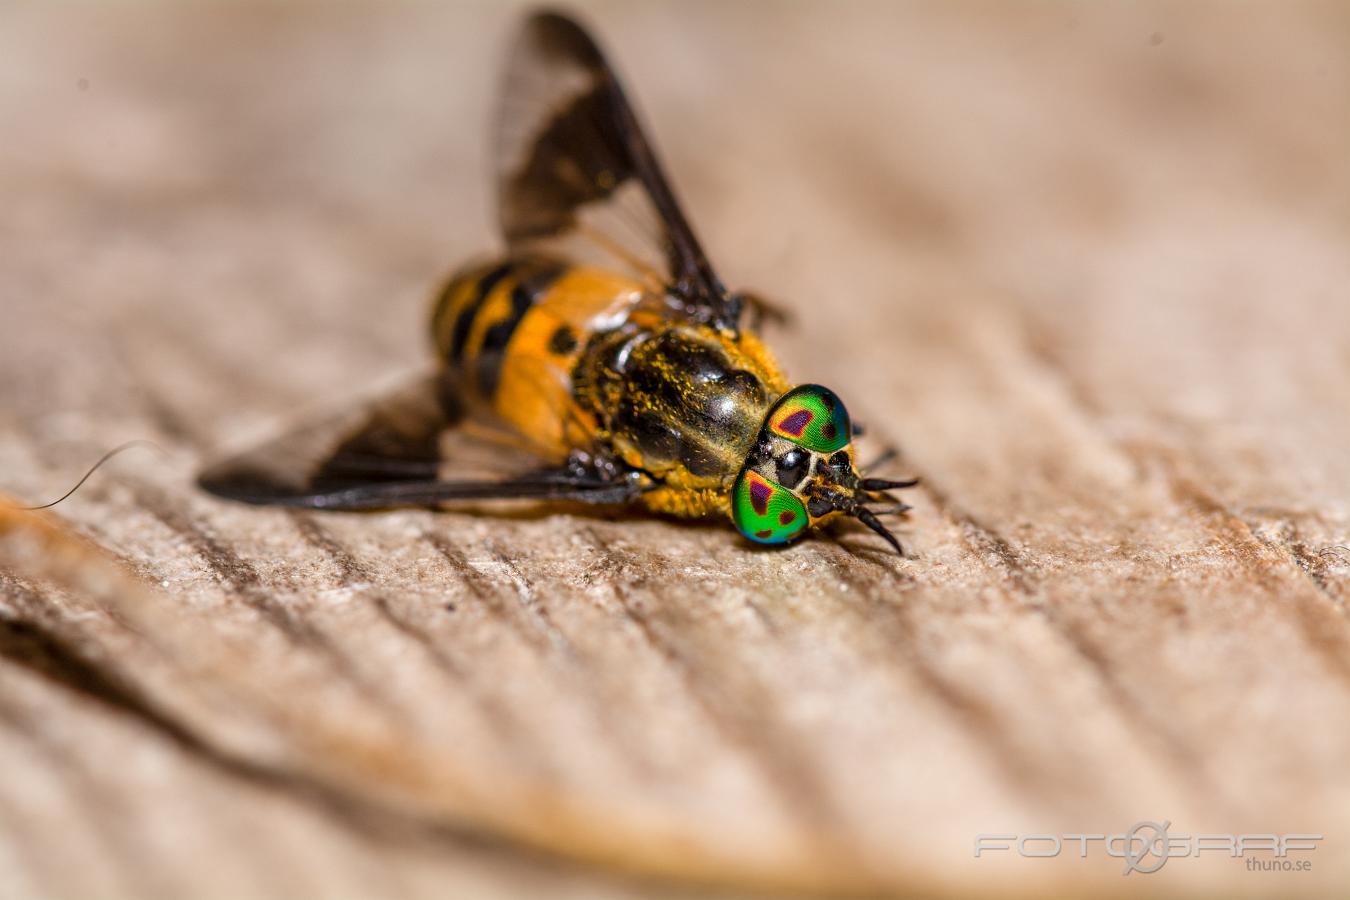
1085	264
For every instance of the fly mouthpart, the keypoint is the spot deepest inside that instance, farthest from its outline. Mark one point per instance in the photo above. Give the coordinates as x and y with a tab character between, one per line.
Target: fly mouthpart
851	505
868	518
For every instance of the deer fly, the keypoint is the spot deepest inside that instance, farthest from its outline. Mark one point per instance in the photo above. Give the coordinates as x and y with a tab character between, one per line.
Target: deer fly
602	349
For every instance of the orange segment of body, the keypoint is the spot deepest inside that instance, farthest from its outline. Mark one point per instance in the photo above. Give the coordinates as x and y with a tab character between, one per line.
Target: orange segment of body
534	394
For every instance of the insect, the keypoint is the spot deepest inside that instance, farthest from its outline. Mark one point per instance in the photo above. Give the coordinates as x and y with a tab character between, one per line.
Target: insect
603	349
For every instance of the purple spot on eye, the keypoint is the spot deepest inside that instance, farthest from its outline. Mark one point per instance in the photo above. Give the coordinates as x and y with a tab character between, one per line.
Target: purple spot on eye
764	535
759	496
787	517
796	423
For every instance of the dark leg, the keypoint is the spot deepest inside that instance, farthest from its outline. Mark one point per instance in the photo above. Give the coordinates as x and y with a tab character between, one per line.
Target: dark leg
762	310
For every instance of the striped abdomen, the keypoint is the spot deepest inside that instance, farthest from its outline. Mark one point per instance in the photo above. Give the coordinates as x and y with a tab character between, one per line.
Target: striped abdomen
510	334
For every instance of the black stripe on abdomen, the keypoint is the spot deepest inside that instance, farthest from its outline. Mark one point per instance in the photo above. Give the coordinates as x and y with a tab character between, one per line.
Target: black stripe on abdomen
533	279
464	322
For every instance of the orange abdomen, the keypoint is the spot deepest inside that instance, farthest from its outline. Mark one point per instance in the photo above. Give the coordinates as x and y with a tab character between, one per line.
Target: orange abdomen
511	333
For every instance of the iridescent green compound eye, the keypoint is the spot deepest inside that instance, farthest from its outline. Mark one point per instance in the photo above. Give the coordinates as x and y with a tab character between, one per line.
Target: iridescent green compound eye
766	512
812	416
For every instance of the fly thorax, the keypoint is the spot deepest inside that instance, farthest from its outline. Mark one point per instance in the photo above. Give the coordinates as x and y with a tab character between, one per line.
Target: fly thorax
676	404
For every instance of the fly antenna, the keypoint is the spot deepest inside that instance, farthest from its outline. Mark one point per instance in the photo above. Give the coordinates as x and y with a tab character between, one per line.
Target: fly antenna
883	484
92	469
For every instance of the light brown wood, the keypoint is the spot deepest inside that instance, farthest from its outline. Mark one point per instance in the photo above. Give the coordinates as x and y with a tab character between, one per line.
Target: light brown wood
1085	265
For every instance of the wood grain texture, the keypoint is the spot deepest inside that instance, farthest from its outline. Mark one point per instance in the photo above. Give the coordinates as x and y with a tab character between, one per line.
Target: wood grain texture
1084	265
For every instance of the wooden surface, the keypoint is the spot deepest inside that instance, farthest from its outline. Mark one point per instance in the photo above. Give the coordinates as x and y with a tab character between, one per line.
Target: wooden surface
1085	265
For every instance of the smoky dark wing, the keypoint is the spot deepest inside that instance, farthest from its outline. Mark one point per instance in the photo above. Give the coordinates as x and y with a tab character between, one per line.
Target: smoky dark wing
577	175
558	484
408	447
395	437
